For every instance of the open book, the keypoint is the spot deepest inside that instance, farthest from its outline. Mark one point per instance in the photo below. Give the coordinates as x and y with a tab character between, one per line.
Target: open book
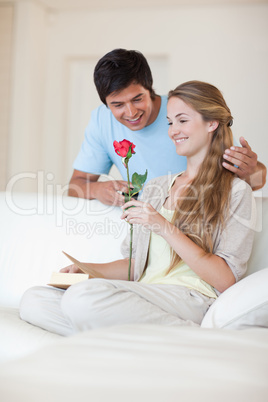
63	280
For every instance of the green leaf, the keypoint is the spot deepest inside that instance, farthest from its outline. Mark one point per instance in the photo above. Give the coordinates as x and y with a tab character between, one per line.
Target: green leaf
129	154
126	194
138	181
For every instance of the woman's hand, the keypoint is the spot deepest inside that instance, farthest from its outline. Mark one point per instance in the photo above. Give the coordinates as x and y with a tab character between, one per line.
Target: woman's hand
144	214
72	269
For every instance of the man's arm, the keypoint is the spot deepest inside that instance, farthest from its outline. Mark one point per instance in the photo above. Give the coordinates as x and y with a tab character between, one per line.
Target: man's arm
246	164
86	185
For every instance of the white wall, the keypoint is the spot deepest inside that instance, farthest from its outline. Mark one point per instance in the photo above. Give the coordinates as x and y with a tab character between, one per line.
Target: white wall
55	53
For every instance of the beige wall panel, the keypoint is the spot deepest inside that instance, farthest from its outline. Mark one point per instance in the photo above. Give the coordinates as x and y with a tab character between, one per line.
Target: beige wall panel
226	45
6	28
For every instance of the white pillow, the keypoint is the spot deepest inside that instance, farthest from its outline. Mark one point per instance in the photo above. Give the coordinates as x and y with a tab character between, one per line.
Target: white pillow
241	306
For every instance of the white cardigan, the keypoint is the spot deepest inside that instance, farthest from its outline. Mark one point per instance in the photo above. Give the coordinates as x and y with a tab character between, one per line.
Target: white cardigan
233	243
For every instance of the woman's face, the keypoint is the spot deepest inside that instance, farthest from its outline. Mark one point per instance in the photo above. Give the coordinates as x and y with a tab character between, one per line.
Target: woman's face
187	129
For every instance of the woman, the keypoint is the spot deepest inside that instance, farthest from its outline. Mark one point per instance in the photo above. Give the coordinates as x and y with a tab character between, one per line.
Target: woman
193	234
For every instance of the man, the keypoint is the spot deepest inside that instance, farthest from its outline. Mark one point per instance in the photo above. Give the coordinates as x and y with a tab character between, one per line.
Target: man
131	110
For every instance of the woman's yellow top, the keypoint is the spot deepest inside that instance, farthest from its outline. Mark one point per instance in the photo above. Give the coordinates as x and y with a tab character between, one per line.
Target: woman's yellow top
159	262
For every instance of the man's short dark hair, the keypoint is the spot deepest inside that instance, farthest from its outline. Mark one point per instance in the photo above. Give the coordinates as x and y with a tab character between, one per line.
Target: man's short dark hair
120	68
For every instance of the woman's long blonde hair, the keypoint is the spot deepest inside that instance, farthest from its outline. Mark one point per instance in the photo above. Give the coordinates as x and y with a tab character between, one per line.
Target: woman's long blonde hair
204	203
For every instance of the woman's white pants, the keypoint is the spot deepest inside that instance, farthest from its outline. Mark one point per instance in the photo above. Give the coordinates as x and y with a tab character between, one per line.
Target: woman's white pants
97	303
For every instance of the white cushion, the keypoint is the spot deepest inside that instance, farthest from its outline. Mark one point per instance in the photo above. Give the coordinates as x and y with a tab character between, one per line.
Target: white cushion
18	338
243	305
143	363
34	231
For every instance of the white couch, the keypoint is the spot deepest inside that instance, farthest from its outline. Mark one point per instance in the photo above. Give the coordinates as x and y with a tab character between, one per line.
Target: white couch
132	362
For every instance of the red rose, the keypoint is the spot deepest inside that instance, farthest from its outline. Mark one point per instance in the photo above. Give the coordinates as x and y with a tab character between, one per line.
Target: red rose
122	147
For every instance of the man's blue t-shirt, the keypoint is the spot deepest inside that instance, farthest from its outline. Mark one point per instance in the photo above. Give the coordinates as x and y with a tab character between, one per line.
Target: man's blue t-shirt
154	149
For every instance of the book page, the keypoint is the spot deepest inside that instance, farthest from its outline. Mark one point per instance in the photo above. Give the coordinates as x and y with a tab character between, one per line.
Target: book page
64	280
84	268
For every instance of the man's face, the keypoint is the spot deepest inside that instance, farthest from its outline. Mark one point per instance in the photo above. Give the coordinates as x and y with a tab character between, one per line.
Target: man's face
133	107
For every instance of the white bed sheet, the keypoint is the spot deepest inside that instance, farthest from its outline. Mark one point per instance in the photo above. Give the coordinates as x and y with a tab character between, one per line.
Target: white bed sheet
143	363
